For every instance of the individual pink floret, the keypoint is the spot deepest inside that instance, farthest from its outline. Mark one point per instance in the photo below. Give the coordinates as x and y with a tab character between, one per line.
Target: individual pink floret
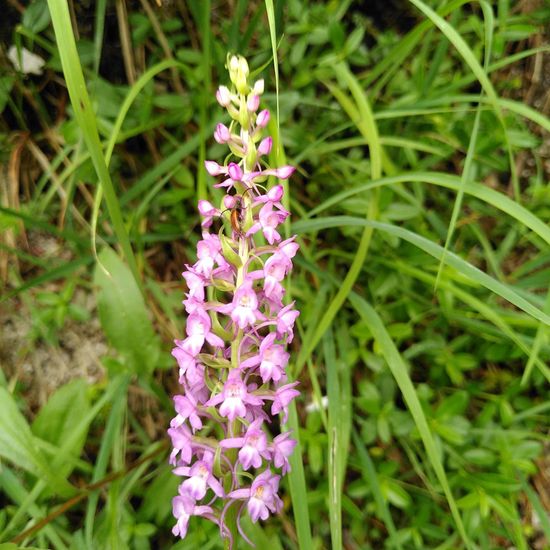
282	448
234	397
200	477
252	446
262	496
183	507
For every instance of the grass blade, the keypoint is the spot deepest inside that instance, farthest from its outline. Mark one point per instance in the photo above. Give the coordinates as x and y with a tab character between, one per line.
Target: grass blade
399	370
369	475
481	192
464	50
362	115
297	484
86	120
433	249
334	443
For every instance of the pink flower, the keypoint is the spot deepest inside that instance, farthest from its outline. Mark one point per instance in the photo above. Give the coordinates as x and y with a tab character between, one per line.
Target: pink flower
289	247
282	449
196	284
214	169
198	330
183	507
244	308
234	397
235	172
282	173
269	220
275	269
182	444
185	360
200	478
186	407
208	253
222	134
235	176
272	359
262	496
253	446
262	119
285	321
283	396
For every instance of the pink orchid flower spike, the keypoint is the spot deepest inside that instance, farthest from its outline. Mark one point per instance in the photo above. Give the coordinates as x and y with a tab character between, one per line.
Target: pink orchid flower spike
233	362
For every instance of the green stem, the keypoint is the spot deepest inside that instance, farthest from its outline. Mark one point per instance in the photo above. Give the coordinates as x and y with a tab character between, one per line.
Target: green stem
232	512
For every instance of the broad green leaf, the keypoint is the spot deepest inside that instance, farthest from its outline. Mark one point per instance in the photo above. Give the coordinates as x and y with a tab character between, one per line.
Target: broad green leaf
19	446
57	420
123	313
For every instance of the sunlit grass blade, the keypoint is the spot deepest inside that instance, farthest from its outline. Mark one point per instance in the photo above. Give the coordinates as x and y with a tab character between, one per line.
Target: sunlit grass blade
539	508
270	10
361	114
487	311
113	428
482	192
464	50
334	443
399	370
540	338
13	487
133	93
467	169
204	11
296	477
85	117
100	8
435	250
297	484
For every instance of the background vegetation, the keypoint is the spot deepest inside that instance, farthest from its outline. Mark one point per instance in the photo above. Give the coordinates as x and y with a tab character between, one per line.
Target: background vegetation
420	132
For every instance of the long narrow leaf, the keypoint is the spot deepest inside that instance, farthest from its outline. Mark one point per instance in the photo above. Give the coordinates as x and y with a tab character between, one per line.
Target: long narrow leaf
399	370
433	249
85	117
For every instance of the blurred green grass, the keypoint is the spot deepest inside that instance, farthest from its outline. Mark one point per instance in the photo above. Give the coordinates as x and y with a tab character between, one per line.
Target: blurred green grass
421	204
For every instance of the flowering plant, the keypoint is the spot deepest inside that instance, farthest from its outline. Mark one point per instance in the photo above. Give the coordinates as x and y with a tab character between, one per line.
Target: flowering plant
232	364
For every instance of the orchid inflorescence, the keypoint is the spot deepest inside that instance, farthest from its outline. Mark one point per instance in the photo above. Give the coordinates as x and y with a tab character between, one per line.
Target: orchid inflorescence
232	364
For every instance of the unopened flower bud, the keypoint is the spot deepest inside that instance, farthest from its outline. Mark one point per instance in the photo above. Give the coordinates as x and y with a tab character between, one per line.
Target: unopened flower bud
265	146
222	133
223	95
285	172
275	194
235	172
229	201
238	73
253	103
213	168
262	119
258	87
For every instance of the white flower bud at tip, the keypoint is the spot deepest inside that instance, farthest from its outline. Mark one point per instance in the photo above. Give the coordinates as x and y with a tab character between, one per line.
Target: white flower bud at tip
258	87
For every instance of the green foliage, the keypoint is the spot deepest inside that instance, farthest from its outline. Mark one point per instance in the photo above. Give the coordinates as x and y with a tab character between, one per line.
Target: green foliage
123	314
421	206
